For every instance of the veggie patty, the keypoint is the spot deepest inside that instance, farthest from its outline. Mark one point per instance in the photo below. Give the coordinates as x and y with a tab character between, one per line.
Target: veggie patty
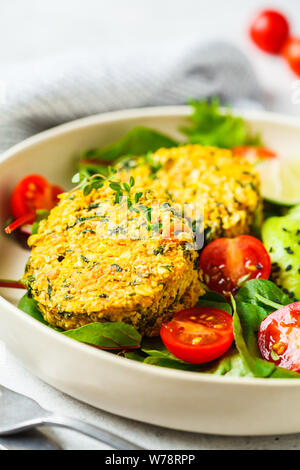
88	265
226	185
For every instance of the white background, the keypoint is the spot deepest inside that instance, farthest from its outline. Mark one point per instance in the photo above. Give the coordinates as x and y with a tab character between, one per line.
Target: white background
36	28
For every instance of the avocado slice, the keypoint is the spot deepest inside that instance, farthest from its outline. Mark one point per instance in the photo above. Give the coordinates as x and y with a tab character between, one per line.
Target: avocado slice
281	237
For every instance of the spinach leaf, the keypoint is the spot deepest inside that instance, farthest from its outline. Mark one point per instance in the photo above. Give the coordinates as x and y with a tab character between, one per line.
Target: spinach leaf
92	168
212	126
138	141
108	335
230	363
162	361
253	303
30	306
214	300
135	356
260	292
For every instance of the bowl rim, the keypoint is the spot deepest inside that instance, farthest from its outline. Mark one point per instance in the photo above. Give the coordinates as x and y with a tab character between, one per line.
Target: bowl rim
98	354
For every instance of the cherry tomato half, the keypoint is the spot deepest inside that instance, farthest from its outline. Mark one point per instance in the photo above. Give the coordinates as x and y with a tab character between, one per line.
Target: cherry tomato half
291	53
228	262
254	154
32	193
199	334
279	337
269	31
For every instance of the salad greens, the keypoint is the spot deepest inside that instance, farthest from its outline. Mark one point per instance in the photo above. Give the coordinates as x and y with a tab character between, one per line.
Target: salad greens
208	125
255	300
108	335
214	300
211	126
138	141
30	306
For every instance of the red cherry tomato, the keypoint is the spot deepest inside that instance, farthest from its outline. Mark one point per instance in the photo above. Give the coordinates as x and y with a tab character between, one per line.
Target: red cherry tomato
291	53
199	334
32	193
269	31
228	262
253	154
279	337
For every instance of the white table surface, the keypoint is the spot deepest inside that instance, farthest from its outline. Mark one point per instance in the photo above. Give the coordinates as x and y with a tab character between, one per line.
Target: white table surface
34	28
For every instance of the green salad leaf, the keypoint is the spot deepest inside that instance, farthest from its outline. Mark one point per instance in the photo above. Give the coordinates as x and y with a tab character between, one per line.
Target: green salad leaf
108	335
259	291
214	300
137	142
230	364
255	300
209	125
162	361
212	126
30	306
154	352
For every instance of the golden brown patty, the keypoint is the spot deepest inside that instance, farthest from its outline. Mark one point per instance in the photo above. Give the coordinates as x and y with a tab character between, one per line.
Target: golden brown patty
87	266
225	185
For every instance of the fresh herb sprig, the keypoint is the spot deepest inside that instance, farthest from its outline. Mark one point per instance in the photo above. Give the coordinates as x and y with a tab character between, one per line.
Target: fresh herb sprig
119	189
87	183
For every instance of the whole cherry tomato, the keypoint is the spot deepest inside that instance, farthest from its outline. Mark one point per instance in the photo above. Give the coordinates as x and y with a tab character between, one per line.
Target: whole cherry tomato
269	31
291	53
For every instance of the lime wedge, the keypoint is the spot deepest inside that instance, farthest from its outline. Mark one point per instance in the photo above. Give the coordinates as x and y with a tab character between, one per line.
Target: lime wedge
280	180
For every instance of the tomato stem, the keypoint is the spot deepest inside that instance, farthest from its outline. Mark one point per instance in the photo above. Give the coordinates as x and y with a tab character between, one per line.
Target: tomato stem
12	284
25	219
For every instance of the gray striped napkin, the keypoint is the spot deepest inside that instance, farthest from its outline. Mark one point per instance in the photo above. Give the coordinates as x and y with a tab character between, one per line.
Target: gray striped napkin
39	95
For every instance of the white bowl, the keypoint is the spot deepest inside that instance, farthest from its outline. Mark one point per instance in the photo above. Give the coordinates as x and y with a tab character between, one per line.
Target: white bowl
176	399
